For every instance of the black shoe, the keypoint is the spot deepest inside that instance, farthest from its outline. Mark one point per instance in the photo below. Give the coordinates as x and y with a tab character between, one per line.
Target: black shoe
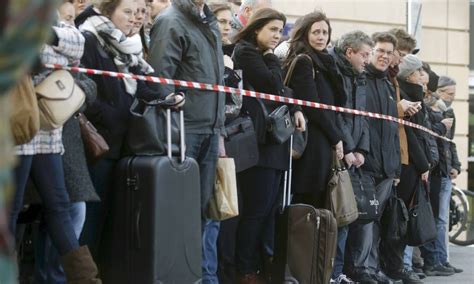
381	278
421	275
418	269
361	276
438	270
455	269
407	276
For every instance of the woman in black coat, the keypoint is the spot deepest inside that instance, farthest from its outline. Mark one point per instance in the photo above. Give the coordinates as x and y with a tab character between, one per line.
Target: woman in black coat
260	184
318	81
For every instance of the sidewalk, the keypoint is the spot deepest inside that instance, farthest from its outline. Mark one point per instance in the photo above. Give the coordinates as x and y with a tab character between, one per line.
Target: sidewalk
462	257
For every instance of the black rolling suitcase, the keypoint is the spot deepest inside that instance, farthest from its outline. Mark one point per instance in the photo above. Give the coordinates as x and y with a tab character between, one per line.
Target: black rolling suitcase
155	225
305	241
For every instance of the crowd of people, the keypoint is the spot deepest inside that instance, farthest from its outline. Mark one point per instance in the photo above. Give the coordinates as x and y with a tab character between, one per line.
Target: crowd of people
240	44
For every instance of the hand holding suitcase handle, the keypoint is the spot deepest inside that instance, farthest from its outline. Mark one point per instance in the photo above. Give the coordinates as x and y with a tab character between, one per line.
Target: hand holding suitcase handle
173	100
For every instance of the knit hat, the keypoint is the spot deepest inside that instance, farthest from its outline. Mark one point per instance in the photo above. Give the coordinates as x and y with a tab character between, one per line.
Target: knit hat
410	63
446	81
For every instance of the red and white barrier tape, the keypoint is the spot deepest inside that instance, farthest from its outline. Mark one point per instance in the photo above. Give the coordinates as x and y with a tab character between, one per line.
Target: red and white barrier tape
219	88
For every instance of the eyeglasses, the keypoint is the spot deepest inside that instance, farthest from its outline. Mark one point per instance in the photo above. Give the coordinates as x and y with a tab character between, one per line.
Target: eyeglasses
381	51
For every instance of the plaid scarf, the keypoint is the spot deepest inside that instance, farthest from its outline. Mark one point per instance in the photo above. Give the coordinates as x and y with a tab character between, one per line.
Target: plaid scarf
125	51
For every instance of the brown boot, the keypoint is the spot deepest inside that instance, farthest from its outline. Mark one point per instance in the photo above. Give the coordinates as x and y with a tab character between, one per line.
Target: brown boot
79	267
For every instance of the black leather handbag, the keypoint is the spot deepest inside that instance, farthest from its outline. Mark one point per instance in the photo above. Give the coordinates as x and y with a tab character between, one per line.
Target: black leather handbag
370	197
147	132
394	219
421	222
280	125
240	143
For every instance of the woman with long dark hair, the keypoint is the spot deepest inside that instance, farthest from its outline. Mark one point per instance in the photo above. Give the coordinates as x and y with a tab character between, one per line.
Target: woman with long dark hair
318	81
260	184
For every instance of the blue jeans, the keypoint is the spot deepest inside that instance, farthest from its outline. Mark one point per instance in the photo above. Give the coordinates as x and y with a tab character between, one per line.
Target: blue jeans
408	258
436	252
48	268
46	171
204	148
342	233
209	252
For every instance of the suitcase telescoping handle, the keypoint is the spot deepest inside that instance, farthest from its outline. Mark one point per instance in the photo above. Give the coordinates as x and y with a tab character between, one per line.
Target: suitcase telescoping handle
287	181
181	133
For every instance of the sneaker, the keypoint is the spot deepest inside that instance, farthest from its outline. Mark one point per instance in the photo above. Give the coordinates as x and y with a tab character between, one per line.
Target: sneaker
407	276
455	269
381	278
332	281
343	279
438	270
418	269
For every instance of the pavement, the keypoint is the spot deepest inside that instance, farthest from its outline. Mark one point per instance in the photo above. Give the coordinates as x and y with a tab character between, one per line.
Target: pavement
462	257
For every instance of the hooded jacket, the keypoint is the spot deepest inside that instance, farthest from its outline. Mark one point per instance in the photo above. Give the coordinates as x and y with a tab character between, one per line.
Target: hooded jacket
355	128
383	160
186	45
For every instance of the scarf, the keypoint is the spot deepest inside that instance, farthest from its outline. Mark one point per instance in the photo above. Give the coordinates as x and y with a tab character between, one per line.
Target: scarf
125	51
393	71
374	72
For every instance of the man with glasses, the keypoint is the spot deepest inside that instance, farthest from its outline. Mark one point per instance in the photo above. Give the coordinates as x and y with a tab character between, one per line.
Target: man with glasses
383	161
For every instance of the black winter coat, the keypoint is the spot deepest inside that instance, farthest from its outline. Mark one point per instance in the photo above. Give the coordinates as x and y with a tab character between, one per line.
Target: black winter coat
110	113
383	160
355	128
448	158
263	74
311	172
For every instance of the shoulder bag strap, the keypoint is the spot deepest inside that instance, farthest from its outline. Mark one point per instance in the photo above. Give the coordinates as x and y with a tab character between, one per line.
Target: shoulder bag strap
292	67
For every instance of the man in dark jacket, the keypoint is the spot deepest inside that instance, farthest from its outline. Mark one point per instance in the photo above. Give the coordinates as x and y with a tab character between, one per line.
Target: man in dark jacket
351	54
186	45
436	253
383	161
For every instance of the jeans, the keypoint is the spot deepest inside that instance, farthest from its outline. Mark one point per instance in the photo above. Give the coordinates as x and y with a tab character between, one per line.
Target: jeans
102	177
209	251
260	190
46	171
436	252
342	233
47	264
359	244
204	148
408	258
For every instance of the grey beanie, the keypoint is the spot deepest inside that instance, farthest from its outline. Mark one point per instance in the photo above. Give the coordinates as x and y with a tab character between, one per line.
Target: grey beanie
446	81
410	63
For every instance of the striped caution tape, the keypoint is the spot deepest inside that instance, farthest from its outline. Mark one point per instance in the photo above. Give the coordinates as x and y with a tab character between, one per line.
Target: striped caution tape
219	88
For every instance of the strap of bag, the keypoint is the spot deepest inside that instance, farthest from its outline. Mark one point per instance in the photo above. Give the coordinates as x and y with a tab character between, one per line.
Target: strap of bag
288	76
336	163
